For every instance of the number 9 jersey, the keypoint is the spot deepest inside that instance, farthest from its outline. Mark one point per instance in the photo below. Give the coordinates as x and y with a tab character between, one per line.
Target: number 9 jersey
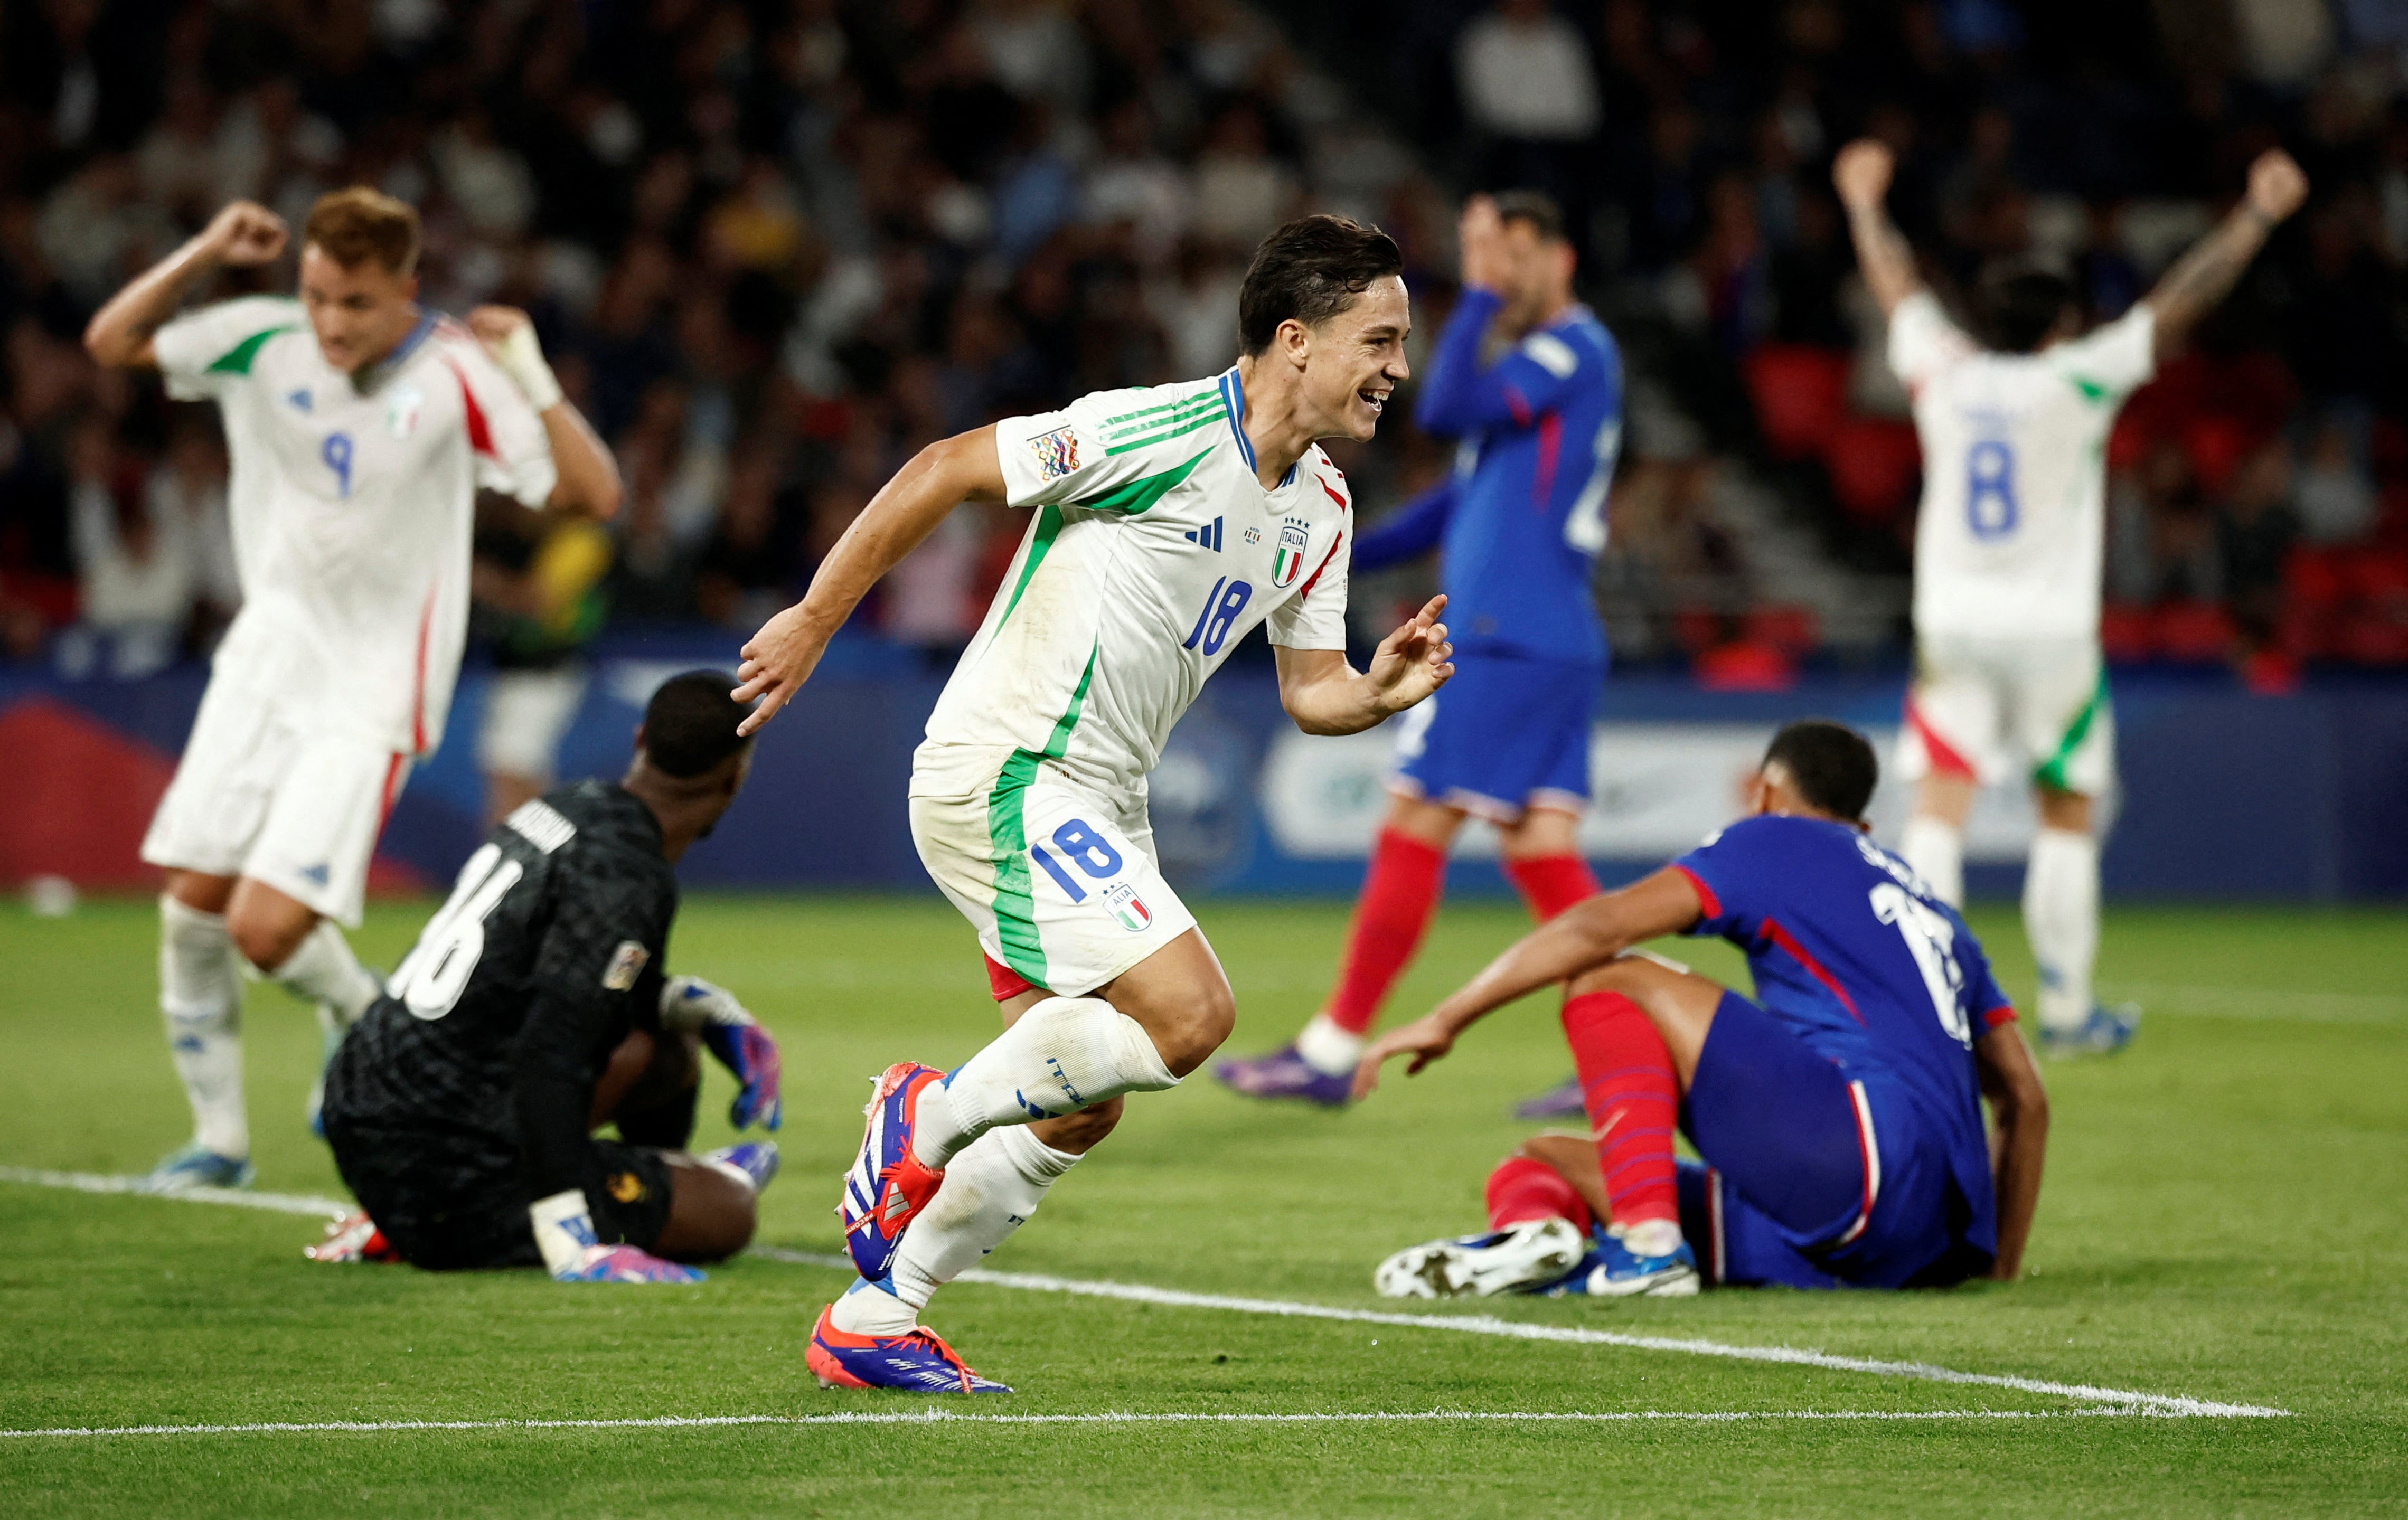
2010	538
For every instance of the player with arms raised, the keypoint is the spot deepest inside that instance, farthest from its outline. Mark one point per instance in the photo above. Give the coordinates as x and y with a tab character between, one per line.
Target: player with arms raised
360	426
1168	524
2008	547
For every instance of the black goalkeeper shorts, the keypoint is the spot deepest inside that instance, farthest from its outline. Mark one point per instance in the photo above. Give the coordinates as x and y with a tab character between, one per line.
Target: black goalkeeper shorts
450	1200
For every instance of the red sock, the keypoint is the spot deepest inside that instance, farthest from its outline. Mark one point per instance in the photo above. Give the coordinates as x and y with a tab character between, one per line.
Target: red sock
1523	1189
1400	891
1626	1077
1549	883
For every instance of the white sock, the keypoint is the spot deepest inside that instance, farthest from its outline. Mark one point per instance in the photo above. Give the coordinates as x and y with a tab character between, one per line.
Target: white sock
1936	848
2061	921
200	993
1653	1237
991	1188
1328	1049
1064	1055
324	970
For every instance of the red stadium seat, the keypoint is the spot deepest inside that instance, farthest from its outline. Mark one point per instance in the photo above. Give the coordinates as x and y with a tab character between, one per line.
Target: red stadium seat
1790	630
1799	393
2124	633
2314	575
1874	464
1745	666
2193	633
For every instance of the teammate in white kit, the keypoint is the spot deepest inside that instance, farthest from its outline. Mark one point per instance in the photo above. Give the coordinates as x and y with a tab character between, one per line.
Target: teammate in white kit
2007	553
1167	524
360	427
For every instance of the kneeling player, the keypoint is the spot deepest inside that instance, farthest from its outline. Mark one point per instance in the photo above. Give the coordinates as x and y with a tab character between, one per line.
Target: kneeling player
1839	1114
461	1108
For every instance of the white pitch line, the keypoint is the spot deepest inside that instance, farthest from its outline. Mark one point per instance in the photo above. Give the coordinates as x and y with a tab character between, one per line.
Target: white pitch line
946	1417
1177	1298
1528	1330
239	1197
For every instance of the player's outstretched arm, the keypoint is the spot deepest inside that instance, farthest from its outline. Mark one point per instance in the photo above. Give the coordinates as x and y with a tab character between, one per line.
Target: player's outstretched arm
243	235
1861	174
1327	695
781	657
2205	275
2018	1140
588	483
1581	937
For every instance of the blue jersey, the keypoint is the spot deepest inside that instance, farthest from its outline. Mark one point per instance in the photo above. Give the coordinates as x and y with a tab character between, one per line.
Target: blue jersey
1853	952
1522	516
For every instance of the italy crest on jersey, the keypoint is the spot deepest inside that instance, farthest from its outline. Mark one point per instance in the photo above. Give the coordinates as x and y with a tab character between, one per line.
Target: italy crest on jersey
1129	907
1057	453
1287	559
401	415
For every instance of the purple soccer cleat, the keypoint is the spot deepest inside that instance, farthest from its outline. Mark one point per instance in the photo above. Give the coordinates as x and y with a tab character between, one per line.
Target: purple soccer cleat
1559	1102
755	1161
1283	1073
917	1361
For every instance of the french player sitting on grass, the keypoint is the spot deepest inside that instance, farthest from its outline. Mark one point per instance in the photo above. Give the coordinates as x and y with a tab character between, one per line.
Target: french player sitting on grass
534	1009
1838	1112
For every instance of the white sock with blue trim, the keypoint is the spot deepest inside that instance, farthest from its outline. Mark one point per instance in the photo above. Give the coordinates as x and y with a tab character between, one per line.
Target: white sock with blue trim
200	995
323	969
2061	921
1062	1056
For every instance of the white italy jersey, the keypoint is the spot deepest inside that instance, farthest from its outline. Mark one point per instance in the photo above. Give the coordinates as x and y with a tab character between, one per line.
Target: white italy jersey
1155	551
2010	536
352	509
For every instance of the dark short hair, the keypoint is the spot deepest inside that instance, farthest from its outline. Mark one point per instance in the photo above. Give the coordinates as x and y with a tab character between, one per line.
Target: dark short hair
2016	306
362	225
1538	209
1831	764
1311	269
690	724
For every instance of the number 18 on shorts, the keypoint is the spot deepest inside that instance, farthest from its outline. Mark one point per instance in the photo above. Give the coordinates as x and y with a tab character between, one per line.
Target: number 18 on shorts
1060	880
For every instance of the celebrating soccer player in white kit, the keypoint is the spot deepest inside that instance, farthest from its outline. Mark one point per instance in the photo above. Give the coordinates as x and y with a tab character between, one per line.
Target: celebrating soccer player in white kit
2008	548
360	426
1169	523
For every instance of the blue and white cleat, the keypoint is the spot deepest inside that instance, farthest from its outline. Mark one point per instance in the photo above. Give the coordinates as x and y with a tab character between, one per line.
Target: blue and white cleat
1284	1073
1614	1271
917	1361
1527	1258
1562	1101
2106	1031
888	1187
196	1166
755	1161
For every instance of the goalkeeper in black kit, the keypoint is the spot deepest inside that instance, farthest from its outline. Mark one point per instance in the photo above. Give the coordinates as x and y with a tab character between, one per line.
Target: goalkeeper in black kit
534	1009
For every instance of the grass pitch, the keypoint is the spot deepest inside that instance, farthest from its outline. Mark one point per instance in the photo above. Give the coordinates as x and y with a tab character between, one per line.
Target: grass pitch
2226	1218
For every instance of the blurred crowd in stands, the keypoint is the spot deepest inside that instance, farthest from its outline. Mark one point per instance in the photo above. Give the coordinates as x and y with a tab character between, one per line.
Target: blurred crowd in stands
775	247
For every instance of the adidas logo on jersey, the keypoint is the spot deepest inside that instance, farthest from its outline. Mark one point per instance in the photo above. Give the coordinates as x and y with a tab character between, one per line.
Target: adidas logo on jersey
300	400
1208	535
315	875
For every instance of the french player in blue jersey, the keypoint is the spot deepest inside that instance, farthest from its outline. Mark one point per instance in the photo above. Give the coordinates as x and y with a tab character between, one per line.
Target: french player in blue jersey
1529	383
1839	1111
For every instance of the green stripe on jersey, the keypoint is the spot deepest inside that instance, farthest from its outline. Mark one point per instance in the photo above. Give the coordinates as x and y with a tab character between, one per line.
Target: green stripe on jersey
2051	772
1141	494
1007	829
237	360
1049	525
1184	422
1110	423
1180	413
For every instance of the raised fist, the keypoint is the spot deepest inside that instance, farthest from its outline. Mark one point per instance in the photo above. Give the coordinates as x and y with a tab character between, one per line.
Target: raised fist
246	234
1861	173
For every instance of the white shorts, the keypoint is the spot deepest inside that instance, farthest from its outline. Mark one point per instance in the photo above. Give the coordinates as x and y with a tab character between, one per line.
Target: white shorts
1993	710
1058	879
259	793
526	712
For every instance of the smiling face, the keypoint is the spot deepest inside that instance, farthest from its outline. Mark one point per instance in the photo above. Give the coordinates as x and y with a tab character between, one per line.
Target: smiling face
359	311
1354	360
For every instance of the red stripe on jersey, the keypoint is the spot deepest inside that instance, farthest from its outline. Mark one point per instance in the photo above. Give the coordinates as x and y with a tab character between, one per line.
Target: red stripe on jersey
1946	758
418	679
1706	898
2003	1014
392	790
1868	1147
1324	565
1788	941
1334	495
1551	443
480	437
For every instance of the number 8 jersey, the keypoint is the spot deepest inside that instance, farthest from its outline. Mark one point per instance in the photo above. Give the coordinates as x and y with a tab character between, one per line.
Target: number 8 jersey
2010	536
1154	550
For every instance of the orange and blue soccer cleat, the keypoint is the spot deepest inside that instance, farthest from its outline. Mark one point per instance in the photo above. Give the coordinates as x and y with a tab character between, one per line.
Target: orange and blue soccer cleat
916	1361
887	1186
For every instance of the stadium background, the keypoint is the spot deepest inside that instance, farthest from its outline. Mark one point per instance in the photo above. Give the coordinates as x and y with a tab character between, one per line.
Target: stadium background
775	247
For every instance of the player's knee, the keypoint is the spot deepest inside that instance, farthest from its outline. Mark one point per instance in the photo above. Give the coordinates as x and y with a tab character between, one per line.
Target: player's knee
264	938
1627	977
1202	1024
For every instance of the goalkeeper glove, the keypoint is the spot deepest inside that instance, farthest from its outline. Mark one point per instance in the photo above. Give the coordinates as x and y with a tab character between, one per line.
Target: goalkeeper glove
564	1232
738	1042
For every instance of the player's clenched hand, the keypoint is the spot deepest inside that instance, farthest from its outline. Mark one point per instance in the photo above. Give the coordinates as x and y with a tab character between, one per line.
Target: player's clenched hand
1861	173
1412	661
1426	1039
246	234
625	1264
777	661
2277	187
1479	236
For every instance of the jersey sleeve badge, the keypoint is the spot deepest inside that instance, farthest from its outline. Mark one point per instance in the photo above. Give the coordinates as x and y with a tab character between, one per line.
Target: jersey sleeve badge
626	964
1287	558
401	416
1057	453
